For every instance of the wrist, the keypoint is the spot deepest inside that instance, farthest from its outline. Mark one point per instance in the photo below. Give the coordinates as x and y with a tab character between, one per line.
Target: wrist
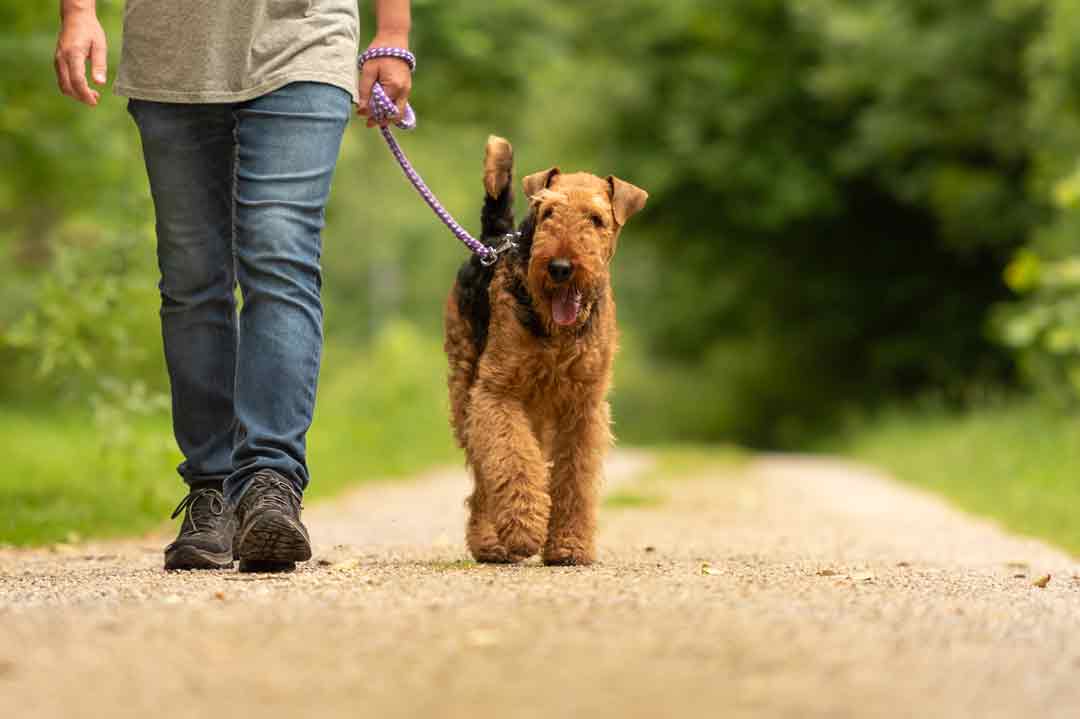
72	8
391	37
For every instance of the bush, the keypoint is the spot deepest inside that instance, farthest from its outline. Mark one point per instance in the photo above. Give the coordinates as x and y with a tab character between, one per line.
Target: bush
90	320
836	187
1044	329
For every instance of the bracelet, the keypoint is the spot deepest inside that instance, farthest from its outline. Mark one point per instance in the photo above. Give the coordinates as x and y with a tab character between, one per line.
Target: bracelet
395	52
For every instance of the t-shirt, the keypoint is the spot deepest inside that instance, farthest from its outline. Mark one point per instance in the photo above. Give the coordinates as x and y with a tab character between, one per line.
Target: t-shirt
234	50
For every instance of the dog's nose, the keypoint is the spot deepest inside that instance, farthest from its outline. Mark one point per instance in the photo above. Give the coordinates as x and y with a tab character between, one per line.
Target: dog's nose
560	269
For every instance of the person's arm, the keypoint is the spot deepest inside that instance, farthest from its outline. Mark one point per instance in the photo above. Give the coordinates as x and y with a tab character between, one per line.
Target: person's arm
81	37
392	25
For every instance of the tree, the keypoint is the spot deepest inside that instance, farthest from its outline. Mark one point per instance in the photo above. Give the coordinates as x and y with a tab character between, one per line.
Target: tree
836	187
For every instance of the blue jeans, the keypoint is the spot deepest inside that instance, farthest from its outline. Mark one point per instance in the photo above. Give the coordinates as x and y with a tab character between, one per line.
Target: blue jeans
239	193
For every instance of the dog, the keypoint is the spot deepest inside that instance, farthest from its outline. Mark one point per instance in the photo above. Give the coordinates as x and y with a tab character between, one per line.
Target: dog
530	342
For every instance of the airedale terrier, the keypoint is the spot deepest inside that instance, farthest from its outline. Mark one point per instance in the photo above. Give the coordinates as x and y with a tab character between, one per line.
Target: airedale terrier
530	343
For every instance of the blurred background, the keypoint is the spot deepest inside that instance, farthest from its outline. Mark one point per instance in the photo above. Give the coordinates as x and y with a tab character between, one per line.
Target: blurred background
860	238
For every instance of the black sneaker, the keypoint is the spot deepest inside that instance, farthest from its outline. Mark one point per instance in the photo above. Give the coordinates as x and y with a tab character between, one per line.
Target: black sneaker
271	537
206	533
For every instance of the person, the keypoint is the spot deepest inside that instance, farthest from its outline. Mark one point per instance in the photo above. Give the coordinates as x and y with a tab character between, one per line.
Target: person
241	108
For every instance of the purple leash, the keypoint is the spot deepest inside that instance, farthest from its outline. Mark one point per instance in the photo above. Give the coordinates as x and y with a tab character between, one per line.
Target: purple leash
383	110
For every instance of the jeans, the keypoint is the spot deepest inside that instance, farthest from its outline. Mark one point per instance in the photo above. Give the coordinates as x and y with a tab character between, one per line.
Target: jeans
239	194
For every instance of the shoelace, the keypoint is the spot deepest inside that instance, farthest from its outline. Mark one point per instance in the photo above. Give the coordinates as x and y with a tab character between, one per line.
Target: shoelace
279	500
215	505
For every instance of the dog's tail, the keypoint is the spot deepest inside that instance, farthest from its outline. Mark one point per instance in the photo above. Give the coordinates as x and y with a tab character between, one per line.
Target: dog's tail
497	217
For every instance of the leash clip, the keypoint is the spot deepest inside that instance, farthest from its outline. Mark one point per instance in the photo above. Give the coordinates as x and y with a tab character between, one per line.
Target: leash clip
509	242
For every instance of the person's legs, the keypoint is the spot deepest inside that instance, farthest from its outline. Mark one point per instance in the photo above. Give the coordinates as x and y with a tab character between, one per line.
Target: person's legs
189	152
287	147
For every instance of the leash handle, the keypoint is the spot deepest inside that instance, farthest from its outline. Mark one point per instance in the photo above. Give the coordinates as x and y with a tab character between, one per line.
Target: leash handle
383	110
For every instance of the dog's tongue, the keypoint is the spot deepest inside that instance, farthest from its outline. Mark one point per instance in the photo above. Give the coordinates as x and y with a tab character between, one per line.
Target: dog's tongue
565	306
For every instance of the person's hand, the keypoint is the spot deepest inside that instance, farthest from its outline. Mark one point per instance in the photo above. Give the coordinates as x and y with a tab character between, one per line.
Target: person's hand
390	72
81	37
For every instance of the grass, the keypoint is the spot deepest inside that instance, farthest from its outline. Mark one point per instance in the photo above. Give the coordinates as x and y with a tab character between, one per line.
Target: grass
60	482
381	414
1017	463
672	462
633	499
455	565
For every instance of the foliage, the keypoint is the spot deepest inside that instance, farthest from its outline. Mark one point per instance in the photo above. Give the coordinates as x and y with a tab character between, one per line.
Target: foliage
61	163
831	208
85	321
1044	329
837	187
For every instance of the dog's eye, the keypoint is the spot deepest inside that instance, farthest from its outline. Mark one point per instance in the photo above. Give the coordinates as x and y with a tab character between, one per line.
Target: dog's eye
548	212
597	220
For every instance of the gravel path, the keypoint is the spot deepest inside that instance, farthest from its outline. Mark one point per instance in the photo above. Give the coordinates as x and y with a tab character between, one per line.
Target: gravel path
789	587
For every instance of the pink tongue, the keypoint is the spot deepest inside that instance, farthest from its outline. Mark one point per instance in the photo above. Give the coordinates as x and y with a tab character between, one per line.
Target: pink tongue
565	306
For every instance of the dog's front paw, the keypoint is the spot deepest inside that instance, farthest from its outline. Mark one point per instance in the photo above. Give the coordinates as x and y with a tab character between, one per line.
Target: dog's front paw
483	543
521	550
566	555
491	555
520	541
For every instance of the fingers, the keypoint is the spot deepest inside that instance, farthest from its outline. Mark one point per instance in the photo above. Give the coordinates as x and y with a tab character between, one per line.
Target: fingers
81	38
401	96
62	80
75	59
396	80
391	91
368	75
397	88
99	61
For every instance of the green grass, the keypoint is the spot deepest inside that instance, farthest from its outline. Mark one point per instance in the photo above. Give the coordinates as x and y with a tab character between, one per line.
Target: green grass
633	499
1017	463
455	565
381	414
673	462
60	483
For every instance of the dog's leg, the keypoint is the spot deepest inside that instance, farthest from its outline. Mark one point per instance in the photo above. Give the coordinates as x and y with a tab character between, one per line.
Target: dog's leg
480	535
578	457
506	455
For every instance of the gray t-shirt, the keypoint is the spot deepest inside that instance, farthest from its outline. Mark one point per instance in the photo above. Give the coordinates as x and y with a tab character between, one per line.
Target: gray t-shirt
234	50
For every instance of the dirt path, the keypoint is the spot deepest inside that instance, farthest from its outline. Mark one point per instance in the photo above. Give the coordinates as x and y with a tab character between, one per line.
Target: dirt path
830	591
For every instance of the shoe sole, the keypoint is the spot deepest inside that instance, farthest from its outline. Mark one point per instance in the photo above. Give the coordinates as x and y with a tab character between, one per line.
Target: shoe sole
272	543
182	558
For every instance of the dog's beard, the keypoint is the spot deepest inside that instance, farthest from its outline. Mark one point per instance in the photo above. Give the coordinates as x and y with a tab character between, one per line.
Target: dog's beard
565	306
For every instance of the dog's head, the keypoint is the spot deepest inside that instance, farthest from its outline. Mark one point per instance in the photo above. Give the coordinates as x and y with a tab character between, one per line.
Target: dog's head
576	222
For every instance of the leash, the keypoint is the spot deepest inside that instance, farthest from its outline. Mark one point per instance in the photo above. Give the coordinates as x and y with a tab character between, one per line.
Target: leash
383	111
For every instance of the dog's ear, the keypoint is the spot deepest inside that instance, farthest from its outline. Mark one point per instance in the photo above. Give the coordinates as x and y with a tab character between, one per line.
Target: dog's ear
538	181
626	199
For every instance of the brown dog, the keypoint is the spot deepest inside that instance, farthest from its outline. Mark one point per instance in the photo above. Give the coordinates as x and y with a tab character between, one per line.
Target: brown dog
530	343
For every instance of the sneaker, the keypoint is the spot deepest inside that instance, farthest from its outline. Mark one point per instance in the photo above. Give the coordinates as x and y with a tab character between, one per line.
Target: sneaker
206	533
271	537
